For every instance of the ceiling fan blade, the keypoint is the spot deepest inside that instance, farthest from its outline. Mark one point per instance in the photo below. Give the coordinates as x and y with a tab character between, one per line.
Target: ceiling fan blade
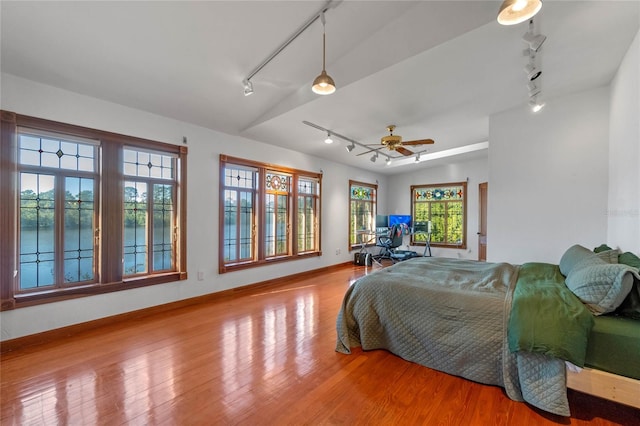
419	142
403	151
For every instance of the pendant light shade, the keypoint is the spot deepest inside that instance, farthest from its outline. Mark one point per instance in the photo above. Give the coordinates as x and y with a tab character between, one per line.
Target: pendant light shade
515	11
323	84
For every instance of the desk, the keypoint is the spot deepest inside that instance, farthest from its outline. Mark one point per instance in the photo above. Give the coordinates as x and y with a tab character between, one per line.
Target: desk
366	237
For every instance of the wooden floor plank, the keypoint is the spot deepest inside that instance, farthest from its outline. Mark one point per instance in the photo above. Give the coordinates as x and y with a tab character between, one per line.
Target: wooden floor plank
257	357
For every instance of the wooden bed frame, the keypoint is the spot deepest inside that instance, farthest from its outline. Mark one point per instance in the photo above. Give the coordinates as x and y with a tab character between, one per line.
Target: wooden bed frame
605	385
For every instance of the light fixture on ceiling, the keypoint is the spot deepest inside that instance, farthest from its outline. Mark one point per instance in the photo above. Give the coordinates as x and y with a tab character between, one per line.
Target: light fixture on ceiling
536	104
388	161
534	89
532	70
329	4
516	11
417	157
323	84
248	87
374	157
328	140
534	41
350	147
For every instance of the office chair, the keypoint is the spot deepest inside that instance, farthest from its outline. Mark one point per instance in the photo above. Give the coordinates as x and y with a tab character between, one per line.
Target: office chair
389	242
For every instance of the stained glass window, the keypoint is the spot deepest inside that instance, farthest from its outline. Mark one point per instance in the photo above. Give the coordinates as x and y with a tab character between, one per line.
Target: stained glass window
444	205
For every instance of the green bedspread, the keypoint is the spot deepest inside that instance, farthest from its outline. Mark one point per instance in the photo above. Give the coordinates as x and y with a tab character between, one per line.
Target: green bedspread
546	317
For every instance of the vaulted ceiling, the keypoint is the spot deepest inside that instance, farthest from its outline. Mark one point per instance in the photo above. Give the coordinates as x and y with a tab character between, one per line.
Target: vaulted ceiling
436	69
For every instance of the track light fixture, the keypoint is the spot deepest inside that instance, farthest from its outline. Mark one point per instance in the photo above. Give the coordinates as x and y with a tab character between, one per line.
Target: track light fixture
388	161
418	158
515	11
350	147
374	157
533	40
532	70
329	4
323	84
534	90
328	140
535	104
248	87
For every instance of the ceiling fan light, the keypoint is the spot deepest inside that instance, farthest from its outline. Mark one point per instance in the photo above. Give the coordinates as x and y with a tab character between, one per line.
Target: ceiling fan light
516	11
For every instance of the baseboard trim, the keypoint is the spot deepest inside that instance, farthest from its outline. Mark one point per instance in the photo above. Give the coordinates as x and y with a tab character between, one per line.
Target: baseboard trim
58	333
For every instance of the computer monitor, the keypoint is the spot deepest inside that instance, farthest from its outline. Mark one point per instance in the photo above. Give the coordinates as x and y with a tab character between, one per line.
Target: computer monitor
400	219
382	221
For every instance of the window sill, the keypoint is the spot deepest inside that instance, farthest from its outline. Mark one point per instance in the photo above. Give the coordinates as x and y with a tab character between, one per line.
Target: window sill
57	295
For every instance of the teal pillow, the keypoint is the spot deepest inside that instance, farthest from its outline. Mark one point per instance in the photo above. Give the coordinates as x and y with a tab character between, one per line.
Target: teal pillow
576	255
601	286
630	307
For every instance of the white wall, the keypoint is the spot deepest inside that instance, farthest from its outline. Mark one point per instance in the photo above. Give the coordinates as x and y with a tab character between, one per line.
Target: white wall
399	197
624	154
548	178
30	98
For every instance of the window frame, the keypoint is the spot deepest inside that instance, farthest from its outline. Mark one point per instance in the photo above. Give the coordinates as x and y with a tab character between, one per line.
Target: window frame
259	213
353	232
464	186
109	216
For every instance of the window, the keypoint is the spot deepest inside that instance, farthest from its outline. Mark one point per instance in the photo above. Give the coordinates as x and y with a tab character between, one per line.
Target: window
445	206
362	211
267	214
76	202
149	214
57	181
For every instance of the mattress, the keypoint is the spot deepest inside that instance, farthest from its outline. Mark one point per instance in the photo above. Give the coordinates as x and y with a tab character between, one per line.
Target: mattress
620	333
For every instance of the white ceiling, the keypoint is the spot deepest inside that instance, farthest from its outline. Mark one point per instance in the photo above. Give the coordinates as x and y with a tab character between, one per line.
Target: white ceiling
436	69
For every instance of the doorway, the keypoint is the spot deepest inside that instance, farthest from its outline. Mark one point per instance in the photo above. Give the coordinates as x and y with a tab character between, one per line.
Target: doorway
483	189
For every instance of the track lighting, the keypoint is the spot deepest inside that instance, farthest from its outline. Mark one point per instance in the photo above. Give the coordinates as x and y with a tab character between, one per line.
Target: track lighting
532	71
533	40
328	140
515	11
388	161
323	84
350	147
418	158
329	4
533	89
374	157
535	104
248	87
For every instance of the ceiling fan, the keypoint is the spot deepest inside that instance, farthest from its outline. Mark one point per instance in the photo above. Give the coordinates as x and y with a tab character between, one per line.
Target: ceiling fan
395	143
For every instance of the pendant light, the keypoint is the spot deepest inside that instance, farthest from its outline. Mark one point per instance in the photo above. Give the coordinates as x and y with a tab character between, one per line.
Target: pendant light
323	84
515	11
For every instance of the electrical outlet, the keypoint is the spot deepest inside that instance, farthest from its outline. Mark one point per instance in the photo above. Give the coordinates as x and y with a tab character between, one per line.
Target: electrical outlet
200	275
338	251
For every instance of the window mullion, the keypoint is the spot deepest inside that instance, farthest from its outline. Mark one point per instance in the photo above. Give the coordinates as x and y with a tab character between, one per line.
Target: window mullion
59	217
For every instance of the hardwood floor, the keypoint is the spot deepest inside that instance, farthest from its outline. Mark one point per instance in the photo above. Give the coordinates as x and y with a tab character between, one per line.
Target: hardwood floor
261	358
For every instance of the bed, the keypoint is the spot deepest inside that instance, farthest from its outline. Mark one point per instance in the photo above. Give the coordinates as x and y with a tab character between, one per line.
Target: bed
527	328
